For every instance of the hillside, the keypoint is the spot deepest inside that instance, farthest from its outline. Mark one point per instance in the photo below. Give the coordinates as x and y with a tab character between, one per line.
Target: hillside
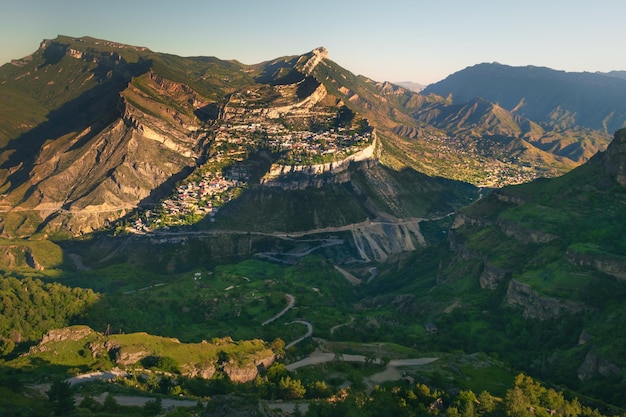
190	210
148	120
554	251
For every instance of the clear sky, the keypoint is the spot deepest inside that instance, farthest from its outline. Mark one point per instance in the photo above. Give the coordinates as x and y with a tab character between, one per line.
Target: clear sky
387	40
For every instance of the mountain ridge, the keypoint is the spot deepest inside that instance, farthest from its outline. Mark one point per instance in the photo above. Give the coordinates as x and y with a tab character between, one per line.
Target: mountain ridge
174	105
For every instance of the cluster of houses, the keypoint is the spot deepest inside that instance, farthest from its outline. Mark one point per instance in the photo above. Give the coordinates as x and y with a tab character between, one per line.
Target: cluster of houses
496	174
200	198
195	198
278	138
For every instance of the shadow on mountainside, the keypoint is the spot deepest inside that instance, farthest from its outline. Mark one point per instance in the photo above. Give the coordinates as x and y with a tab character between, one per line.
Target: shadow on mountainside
95	108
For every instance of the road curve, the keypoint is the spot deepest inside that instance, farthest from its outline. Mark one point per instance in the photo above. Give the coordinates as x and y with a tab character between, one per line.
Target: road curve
309	332
291	299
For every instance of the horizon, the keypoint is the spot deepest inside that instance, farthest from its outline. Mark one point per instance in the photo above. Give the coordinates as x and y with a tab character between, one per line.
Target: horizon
398	41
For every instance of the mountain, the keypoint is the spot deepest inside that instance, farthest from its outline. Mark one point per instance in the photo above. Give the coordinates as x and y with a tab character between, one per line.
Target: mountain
93	131
554	251
203	201
554	99
618	74
96	132
410	85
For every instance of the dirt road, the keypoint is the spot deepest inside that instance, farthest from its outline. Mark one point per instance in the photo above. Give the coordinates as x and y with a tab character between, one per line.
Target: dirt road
290	304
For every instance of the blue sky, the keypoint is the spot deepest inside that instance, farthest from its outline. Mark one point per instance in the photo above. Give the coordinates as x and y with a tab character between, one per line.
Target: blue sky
387	40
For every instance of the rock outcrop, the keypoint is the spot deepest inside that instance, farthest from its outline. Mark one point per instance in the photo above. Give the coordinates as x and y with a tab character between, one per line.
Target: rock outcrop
596	366
204	371
299	177
73	333
615	157
537	306
603	262
524	234
492	276
378	240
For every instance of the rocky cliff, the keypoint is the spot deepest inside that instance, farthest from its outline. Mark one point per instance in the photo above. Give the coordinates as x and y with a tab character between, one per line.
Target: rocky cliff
615	157
537	306
299	177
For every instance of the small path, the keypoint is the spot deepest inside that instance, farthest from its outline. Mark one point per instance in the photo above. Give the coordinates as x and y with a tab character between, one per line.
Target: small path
308	333
373	274
144	288
390	371
318	357
133	401
332	329
93	376
292	301
353	280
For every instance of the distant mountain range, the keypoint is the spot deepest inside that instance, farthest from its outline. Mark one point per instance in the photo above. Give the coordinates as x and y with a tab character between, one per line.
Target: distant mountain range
409	85
554	99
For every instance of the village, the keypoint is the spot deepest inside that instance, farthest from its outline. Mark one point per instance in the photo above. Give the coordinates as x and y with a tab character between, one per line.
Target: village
224	175
498	169
297	146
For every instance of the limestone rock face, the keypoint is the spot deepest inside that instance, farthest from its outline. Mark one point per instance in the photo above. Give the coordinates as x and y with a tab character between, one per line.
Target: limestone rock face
523	234
205	371
492	276
605	263
246	373
299	177
615	158
126	355
538	306
68	333
594	365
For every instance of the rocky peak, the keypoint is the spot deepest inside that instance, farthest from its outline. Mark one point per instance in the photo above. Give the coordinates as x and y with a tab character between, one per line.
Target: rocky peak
317	55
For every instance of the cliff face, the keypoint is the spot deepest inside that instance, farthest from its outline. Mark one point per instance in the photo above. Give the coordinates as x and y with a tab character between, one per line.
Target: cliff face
107	150
615	157
299	177
82	185
537	306
603	262
596	366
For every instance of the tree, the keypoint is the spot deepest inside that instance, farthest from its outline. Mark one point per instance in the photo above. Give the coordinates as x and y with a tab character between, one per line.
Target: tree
516	404
278	347
110	404
61	396
6	346
153	407
291	389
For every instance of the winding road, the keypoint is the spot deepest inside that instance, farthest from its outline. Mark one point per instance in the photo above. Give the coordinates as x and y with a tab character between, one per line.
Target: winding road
308	333
290	304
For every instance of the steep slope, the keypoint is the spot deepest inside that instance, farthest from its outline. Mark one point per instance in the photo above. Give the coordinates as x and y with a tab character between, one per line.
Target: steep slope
95	130
121	126
474	140
554	249
111	130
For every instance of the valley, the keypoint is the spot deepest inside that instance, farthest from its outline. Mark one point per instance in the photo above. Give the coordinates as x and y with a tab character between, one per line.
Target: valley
236	237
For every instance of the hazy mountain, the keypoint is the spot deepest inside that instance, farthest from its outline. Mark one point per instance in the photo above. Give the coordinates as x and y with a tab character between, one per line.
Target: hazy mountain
618	74
554	99
410	85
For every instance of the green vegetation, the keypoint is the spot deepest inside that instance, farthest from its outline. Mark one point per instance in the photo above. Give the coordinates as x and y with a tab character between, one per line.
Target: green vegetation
30	307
